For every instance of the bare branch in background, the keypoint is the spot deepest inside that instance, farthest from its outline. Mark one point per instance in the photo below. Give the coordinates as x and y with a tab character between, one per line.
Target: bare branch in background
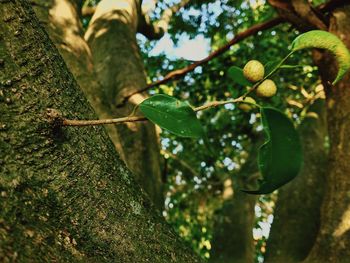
88	10
155	30
182	163
331	5
181	72
326	7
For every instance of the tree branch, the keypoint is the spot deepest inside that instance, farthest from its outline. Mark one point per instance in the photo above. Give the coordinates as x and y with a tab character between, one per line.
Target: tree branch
55	117
303	15
326	7
88	10
331	5
155	30
181	72
183	163
309	14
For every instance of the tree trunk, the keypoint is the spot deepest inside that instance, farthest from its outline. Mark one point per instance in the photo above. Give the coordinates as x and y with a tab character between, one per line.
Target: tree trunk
333	241
62	21
297	214
65	196
112	37
232	238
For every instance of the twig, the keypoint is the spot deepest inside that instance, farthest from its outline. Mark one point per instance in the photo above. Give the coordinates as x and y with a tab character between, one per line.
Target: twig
67	122
217	103
331	5
183	163
132	118
88	10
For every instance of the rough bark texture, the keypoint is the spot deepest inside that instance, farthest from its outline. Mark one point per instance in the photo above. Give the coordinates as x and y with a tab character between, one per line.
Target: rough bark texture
300	13
112	37
64	194
333	241
233	236
297	214
62	21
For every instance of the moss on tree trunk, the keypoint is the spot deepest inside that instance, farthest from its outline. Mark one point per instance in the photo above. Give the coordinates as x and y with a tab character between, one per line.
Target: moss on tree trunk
333	241
137	144
64	194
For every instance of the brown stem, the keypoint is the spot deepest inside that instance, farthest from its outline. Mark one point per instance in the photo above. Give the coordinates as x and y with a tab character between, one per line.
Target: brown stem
88	10
66	122
331	5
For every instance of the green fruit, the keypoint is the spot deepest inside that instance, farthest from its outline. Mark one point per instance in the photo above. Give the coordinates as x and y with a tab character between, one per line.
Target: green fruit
247	106
266	89
253	71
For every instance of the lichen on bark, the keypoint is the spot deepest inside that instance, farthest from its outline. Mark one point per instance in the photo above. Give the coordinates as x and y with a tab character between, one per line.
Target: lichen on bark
65	195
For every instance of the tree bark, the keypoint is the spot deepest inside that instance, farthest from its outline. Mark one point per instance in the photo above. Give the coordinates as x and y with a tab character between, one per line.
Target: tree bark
333	241
61	19
112	37
297	214
233	236
65	196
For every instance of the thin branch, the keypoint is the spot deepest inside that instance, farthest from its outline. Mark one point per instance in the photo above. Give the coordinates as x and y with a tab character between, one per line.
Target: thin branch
156	30
214	104
183	163
67	122
181	72
88	10
331	5
167	14
54	115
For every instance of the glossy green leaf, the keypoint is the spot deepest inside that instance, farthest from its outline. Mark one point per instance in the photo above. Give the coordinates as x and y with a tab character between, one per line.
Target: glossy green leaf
280	157
325	40
236	74
173	115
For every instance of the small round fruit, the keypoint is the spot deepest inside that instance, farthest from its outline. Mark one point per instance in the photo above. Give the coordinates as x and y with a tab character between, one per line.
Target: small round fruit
266	89
253	71
246	106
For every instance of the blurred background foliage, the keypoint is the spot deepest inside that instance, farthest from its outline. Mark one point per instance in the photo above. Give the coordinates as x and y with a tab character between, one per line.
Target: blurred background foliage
196	178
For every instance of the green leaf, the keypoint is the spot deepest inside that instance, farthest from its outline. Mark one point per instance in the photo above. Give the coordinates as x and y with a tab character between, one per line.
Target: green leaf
280	157
325	40
236	74
173	115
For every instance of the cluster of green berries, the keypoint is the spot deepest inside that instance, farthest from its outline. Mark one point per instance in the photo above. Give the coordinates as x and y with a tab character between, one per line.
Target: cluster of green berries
254	71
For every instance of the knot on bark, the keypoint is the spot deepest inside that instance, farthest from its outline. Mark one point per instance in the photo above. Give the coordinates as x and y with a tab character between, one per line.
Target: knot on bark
54	117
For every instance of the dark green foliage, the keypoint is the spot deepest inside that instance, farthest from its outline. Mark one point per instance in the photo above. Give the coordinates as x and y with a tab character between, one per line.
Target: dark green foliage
280	157
173	115
230	130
